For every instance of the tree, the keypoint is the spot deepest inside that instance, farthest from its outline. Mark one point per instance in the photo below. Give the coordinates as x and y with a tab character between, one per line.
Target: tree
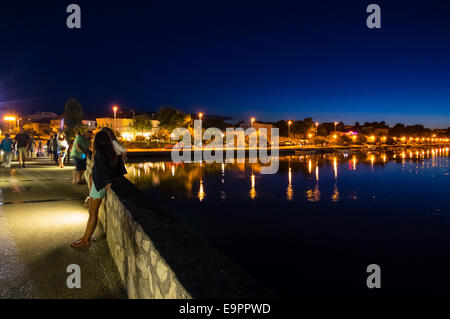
214	121
325	129
141	123
282	125
170	118
302	127
73	114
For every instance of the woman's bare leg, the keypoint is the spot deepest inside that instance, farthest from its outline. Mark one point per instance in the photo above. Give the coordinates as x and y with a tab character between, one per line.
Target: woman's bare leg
61	162
94	205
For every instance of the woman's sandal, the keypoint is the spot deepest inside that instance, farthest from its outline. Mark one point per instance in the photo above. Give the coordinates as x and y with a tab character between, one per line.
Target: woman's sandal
80	243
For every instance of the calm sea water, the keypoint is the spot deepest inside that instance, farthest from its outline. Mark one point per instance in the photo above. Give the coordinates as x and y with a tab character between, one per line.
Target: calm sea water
312	229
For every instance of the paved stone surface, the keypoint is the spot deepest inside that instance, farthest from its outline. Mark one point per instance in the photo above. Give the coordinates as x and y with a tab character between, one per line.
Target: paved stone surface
41	213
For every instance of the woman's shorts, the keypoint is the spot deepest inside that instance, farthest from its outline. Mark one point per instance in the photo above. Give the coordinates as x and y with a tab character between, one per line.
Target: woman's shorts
80	164
97	194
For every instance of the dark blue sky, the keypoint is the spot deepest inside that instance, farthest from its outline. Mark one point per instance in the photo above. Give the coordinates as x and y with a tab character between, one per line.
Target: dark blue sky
271	60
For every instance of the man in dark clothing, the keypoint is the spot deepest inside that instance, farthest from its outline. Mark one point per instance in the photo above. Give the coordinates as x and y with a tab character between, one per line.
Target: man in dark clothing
55	148
49	150
22	143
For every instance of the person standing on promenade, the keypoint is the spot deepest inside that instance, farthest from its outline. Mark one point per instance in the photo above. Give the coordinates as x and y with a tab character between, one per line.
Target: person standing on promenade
22	143
63	147
79	152
40	151
7	146
31	146
107	167
49	147
118	148
55	148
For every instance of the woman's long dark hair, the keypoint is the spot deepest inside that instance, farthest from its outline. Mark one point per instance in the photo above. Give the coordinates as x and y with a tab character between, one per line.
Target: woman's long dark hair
104	147
110	133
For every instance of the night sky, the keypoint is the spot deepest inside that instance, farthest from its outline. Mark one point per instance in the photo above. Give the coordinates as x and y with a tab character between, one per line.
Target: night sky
271	60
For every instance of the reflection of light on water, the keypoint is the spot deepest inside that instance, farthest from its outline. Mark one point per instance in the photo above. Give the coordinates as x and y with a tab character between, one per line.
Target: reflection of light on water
253	193
201	192
171	178
335	197
290	176
335	167
289	192
313	195
289	189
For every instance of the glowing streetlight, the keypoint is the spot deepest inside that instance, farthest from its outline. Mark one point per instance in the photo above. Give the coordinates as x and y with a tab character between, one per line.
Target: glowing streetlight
252	120
115	108
335	126
10	119
289	128
200	116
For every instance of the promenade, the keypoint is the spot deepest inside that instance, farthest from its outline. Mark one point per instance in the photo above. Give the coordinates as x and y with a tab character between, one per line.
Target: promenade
41	213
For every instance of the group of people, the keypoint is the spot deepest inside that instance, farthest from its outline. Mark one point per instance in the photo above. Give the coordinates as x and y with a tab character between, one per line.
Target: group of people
97	166
22	145
57	148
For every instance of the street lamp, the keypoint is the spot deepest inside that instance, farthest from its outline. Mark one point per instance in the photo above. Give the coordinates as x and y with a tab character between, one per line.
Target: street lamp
335	126
10	119
252	120
317	127
289	128
115	108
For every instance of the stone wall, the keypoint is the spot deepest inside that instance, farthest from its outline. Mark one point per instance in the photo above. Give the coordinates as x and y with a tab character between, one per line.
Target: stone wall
157	257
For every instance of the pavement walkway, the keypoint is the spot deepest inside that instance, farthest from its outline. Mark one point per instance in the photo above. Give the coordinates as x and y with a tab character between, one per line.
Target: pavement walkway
41	213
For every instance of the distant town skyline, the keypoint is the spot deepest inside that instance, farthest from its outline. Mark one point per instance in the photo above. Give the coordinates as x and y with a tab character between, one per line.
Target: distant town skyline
288	60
